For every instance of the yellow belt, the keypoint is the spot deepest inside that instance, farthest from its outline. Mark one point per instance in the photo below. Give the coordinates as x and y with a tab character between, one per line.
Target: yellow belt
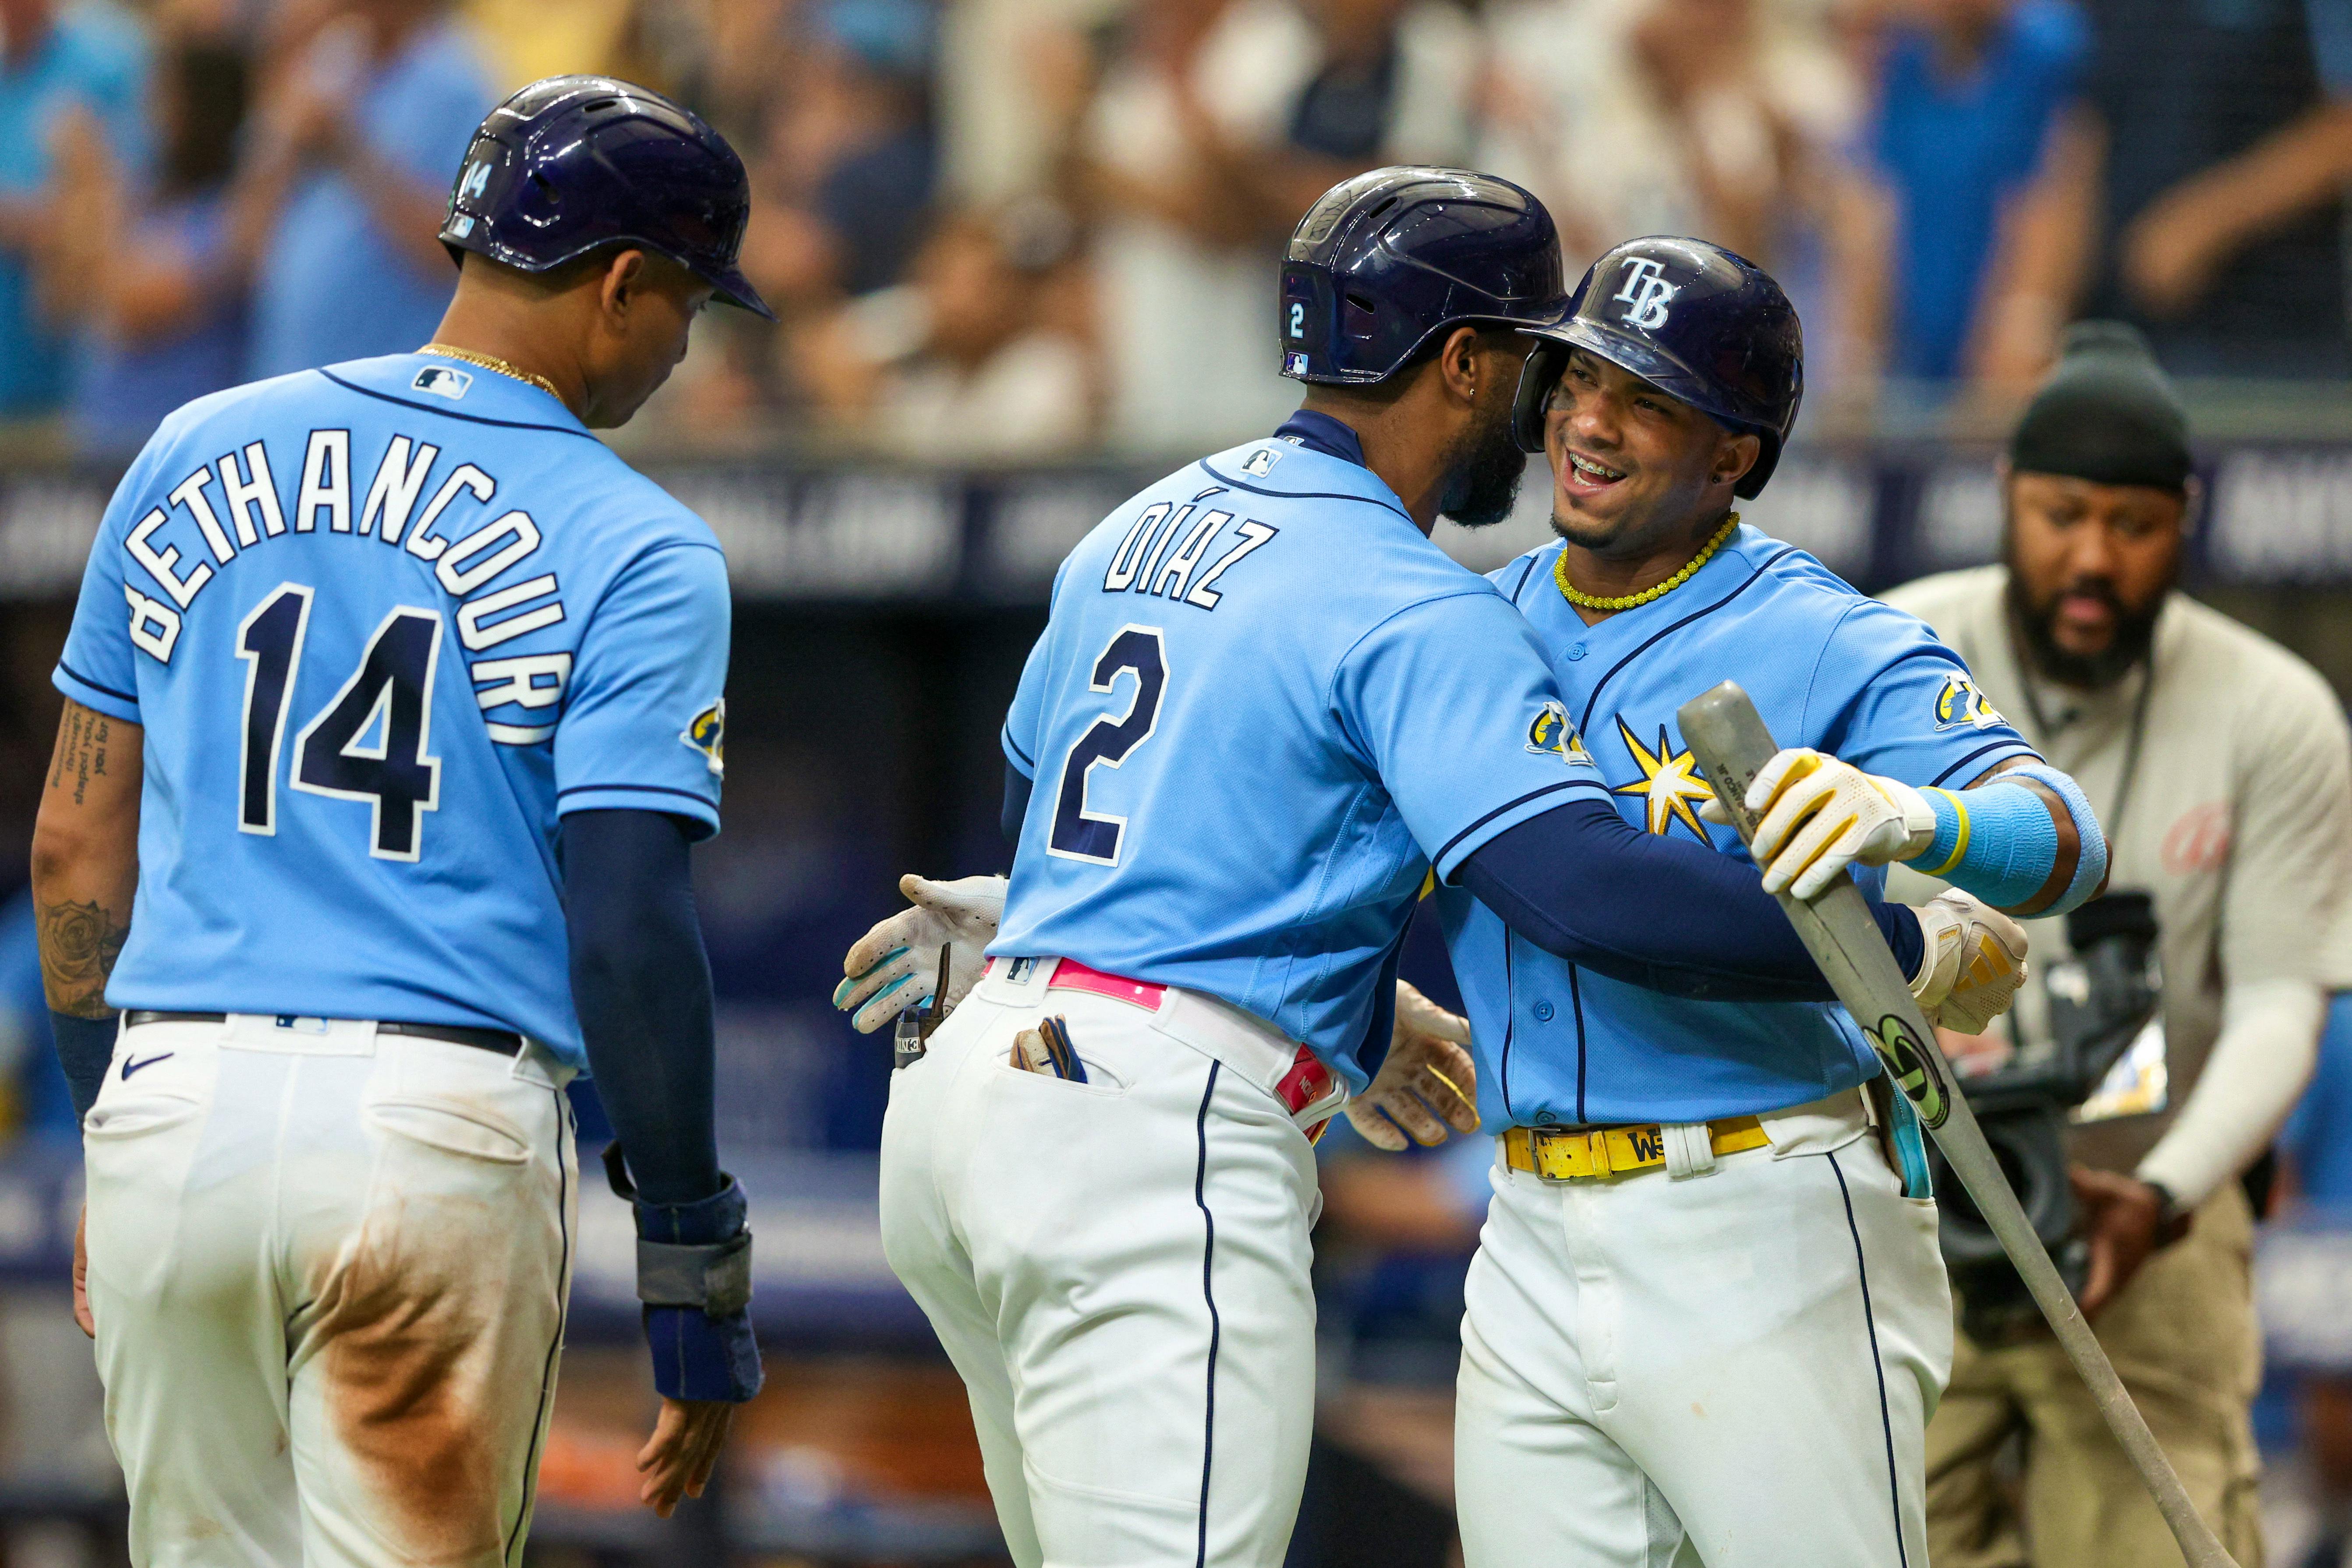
1587	1153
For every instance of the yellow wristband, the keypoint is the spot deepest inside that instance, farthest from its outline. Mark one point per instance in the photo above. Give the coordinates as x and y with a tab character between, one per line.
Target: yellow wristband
1961	848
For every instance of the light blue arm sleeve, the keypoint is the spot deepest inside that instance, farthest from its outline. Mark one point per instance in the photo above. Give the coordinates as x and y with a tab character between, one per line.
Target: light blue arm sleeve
1452	703
644	723
1998	841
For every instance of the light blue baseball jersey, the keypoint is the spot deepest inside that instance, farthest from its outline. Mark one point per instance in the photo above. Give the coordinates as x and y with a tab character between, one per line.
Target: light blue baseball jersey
1264	707
383	624
1827	668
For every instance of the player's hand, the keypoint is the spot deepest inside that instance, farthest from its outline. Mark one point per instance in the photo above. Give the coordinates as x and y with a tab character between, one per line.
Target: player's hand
677	1460
1974	963
2121	1219
1819	815
1426	1076
88	1324
895	965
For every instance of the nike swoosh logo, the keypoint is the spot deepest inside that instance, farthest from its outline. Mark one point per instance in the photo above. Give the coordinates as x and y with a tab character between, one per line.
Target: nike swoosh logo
131	1066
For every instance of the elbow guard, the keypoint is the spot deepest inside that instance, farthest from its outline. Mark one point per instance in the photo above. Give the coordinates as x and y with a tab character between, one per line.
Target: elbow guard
1998	841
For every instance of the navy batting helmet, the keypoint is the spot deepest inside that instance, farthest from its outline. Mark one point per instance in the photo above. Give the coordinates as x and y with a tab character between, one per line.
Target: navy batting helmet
1388	259
573	163
1693	319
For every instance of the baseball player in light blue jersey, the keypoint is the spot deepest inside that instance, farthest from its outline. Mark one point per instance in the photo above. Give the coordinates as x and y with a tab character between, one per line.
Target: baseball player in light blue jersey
398	698
1264	708
1708	1317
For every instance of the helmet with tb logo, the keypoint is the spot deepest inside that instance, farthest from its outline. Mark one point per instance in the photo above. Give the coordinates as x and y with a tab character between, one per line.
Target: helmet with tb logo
1698	322
1387	260
573	163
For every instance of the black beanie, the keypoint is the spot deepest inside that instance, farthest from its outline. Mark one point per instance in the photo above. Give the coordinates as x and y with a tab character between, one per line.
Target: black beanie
2107	413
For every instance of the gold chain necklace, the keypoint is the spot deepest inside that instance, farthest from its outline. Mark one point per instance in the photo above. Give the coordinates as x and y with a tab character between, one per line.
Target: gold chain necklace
1584	601
490	362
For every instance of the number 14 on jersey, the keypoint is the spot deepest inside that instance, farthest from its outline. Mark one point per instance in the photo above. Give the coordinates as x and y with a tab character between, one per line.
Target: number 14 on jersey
370	743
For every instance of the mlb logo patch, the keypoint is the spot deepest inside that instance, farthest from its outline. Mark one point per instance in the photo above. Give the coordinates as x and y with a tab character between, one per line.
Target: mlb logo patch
1262	461
1294	364
442	381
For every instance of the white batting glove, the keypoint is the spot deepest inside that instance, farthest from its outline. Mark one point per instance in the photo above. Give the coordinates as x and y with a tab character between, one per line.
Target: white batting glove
1974	963
1427	1075
1821	816
895	965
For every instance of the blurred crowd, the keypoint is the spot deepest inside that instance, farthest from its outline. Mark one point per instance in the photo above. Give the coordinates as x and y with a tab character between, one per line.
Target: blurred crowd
1003	230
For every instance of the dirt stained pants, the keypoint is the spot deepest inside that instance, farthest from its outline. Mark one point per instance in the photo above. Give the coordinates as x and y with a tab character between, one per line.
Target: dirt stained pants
329	1270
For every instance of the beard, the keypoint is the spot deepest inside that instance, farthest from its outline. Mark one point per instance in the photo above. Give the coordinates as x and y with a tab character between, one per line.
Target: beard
2135	631
1483	471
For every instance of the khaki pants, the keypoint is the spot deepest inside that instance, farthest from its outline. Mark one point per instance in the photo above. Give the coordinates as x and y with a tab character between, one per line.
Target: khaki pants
2183	1337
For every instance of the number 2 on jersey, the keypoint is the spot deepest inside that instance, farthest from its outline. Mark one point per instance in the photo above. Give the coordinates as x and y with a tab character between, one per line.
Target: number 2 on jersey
1079	834
389	695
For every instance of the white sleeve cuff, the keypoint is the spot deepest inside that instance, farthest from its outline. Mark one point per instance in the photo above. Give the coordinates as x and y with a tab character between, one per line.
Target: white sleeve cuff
2269	1044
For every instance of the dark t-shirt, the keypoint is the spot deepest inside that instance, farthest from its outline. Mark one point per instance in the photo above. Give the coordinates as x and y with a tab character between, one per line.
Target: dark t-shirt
2185	84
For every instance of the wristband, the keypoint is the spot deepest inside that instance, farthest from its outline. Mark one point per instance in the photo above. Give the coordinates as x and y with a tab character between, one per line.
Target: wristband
696	1254
2090	861
702	1358
85	1049
694	1275
1996	841
2172	1221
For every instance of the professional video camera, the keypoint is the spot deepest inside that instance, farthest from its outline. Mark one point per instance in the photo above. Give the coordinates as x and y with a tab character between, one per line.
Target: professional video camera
2103	1000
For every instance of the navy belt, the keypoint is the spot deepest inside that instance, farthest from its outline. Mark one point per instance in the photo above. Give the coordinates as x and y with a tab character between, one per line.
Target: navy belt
505	1042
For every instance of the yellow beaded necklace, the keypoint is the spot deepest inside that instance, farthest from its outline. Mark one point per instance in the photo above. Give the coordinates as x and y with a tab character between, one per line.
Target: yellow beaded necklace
490	362
1584	601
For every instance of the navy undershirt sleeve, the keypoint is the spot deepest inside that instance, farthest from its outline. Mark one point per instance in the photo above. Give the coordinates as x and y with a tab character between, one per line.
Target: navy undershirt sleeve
1017	786
1582	882
85	1050
642	985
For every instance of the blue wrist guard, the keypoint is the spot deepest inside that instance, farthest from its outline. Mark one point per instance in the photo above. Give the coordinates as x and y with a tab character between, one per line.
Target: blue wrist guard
700	1357
85	1047
694	1275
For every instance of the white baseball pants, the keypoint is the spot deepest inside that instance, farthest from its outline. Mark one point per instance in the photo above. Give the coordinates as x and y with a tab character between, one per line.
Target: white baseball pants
329	1273
1734	1370
1118	1268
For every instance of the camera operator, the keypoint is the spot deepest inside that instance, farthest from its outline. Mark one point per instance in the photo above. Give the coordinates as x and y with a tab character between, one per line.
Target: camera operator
2221	769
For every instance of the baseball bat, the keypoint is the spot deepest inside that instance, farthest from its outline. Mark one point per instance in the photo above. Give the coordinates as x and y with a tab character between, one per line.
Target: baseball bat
1727	736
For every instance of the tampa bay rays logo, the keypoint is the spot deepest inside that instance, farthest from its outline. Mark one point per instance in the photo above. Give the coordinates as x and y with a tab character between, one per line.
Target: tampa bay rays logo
1549	730
1644	290
1960	702
708	734
1913	1069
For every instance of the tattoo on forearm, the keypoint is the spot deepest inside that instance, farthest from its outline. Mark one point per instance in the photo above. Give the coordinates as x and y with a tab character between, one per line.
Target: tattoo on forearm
82	742
80	944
